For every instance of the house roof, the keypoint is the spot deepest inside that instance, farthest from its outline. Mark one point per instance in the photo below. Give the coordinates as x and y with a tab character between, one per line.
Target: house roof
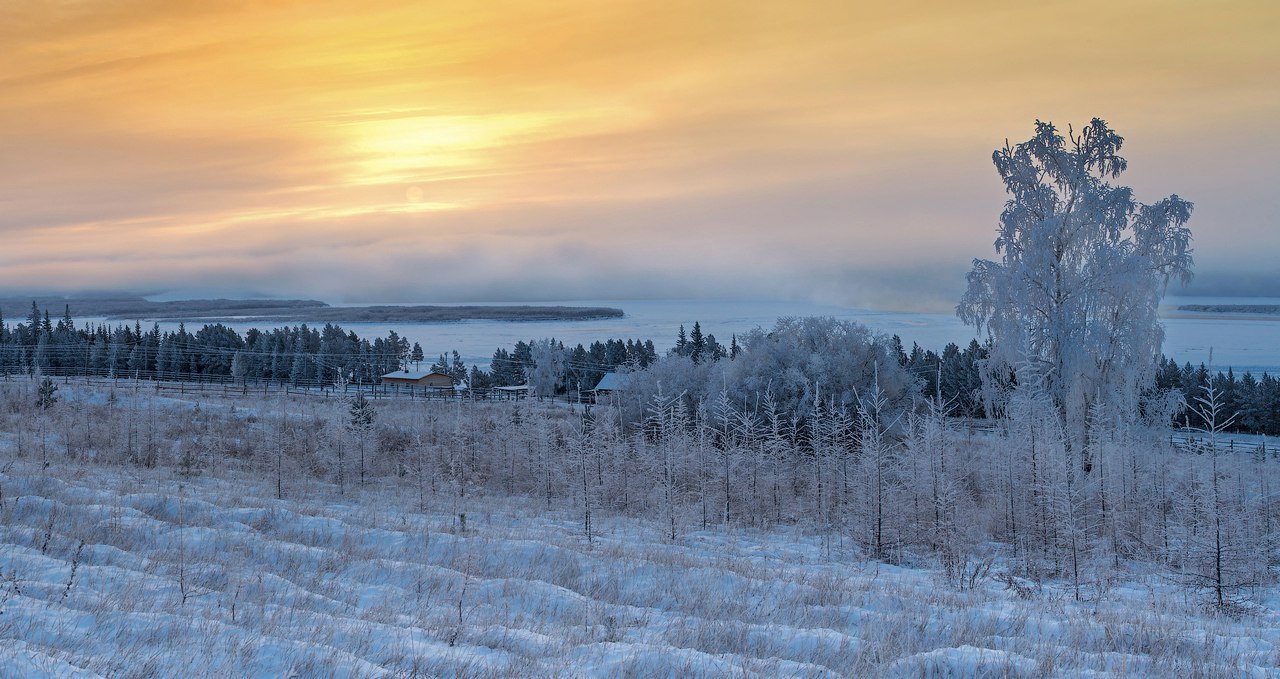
518	387
412	374
612	382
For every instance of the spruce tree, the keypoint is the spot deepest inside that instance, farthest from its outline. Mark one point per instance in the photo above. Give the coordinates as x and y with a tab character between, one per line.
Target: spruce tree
33	322
47	394
360	422
697	343
457	369
715	351
501	369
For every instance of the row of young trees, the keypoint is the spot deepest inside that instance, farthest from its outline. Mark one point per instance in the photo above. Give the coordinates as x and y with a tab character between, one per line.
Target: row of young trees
874	481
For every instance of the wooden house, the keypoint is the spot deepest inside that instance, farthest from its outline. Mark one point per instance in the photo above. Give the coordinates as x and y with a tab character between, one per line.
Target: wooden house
421	379
609	384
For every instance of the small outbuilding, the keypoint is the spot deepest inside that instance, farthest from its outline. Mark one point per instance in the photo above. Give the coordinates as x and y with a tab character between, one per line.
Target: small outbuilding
513	392
424	379
611	383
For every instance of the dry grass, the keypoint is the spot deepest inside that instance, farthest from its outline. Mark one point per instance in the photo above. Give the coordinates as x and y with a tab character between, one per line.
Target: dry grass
375	587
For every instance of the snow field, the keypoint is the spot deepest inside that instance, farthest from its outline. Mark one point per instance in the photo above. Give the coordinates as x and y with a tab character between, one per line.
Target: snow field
111	571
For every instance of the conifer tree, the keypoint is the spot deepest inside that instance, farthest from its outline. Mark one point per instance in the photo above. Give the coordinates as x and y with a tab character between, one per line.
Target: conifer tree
360	423
47	394
457	369
33	322
697	343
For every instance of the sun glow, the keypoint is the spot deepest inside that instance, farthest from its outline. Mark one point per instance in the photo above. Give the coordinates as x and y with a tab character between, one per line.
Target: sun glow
826	136
407	149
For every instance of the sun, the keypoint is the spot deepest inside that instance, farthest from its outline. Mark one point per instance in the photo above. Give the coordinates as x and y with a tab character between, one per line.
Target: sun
409	148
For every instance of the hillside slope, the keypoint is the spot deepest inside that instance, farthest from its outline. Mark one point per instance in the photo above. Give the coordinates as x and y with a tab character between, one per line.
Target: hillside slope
115	572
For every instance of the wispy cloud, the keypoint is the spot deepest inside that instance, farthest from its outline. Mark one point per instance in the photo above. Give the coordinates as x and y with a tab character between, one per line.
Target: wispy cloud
514	150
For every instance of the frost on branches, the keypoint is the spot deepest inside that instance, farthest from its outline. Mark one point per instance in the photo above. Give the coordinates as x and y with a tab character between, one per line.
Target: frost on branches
1071	304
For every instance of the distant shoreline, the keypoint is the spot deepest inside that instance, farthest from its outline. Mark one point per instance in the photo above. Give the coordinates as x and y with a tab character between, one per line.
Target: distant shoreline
1258	309
1266	311
409	314
294	310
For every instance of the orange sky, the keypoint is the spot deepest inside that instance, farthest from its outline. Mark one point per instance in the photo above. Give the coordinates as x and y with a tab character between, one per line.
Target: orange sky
456	151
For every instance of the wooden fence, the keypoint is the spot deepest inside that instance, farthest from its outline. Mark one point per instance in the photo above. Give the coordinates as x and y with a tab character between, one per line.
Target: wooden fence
1198	441
227	387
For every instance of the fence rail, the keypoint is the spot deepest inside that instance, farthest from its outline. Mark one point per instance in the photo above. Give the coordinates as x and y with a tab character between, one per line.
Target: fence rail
1184	439
214	385
1198	441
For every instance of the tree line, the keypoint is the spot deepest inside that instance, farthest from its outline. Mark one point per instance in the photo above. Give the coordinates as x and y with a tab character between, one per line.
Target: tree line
299	355
1255	402
294	354
303	355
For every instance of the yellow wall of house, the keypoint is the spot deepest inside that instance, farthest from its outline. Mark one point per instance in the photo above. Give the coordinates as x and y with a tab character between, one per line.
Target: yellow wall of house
428	381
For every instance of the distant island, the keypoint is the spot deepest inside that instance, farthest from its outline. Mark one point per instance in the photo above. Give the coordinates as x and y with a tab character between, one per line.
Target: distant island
309	310
1232	308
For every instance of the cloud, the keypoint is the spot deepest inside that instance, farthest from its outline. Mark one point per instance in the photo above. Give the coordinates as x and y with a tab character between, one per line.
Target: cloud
835	151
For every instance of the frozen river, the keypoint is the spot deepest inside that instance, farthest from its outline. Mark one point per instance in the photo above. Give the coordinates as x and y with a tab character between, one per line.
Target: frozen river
1242	343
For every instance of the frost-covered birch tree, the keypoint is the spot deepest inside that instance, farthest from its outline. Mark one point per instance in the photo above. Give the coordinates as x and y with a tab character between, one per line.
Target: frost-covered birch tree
1082	268
548	366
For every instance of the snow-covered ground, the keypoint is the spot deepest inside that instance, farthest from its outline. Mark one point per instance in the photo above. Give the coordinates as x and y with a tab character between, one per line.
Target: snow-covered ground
129	572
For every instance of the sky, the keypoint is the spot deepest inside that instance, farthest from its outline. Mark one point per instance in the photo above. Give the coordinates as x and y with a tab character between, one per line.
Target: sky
373	151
